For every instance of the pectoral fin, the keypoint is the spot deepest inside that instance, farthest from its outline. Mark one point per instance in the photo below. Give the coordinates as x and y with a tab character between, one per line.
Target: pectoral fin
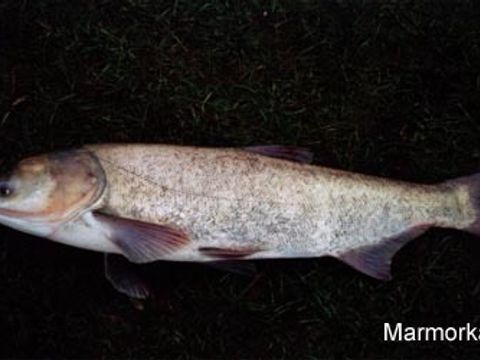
143	242
291	153
124	277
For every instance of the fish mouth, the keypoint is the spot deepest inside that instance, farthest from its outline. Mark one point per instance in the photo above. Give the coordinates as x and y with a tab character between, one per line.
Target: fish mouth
57	212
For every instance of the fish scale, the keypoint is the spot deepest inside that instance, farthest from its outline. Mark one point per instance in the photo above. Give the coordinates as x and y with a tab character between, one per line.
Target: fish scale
225	198
229	197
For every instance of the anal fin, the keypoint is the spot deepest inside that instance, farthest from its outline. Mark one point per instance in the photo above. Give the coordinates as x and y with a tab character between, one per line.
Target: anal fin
240	267
375	260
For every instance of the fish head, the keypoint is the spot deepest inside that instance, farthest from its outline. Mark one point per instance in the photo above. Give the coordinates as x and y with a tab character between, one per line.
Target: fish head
44	191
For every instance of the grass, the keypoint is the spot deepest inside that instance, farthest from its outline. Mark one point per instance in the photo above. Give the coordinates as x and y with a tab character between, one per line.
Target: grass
387	88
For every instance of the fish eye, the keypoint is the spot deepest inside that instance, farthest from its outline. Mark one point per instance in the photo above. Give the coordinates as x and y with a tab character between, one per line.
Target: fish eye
5	190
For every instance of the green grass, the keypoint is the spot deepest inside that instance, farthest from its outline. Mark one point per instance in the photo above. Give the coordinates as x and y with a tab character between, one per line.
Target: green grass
386	88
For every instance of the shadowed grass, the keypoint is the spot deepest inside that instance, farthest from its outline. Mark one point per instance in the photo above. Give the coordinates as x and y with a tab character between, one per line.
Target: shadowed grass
387	88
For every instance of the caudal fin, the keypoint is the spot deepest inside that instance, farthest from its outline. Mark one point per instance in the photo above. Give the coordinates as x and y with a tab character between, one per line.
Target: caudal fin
467	190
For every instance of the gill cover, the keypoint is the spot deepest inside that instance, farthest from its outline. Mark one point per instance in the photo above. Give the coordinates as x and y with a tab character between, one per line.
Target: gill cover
52	187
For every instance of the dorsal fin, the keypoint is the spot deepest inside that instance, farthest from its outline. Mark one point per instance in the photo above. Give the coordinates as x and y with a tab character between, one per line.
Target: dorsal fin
375	260
291	153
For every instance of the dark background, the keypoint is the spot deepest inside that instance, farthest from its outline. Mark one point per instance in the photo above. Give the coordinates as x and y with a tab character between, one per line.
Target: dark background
388	88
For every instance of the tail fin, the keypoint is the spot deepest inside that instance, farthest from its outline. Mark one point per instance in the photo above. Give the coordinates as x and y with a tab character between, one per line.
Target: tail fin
467	190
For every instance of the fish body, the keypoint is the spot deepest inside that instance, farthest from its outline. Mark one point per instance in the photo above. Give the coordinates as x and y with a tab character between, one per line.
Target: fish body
163	202
235	199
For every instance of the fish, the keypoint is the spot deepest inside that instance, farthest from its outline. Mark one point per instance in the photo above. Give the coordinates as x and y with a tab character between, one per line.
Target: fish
140	203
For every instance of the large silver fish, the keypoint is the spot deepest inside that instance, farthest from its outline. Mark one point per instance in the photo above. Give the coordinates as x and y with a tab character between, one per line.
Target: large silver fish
160	202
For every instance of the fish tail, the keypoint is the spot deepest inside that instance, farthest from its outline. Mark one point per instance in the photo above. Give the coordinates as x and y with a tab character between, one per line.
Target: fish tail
456	205
467	196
